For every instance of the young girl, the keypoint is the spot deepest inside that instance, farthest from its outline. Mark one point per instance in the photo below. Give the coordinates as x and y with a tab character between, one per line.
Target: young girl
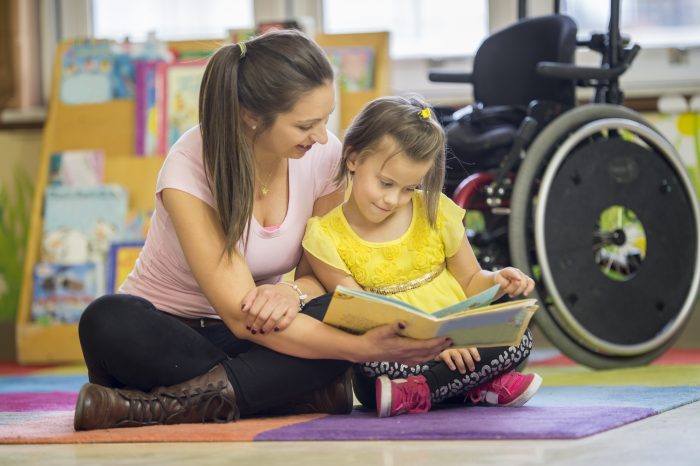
392	238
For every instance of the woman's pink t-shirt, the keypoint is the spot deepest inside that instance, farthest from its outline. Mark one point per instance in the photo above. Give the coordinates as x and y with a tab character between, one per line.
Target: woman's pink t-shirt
162	275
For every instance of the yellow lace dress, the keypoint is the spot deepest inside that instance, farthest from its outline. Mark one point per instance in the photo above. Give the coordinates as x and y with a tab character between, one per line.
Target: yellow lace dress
419	253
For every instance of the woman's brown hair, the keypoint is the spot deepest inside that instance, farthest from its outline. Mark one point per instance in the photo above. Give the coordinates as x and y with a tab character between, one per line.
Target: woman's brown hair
413	127
266	76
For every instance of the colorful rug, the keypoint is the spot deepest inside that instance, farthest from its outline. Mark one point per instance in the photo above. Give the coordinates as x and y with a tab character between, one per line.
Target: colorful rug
36	406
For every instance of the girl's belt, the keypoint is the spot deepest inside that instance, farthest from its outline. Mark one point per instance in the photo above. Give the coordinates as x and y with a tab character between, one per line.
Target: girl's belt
406	286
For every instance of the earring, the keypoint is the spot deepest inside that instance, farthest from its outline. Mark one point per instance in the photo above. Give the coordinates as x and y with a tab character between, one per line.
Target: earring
253	127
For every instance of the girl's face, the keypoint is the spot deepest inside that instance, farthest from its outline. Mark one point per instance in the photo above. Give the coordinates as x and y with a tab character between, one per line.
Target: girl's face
384	181
294	132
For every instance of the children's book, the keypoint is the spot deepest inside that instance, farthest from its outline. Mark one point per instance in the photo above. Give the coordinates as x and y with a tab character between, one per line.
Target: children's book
76	168
146	118
473	322
87	73
122	259
80	223
178	95
61	292
356	65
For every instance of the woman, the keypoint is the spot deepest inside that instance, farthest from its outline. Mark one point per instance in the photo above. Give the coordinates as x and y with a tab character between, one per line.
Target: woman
202	329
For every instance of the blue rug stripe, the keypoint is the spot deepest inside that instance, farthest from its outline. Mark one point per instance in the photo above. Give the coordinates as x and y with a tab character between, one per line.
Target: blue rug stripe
42	383
659	399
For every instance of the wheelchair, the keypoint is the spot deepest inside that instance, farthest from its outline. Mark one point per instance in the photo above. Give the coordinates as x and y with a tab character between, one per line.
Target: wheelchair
589	200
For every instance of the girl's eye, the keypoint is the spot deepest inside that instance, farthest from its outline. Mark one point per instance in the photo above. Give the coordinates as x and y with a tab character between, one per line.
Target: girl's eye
305	128
386	184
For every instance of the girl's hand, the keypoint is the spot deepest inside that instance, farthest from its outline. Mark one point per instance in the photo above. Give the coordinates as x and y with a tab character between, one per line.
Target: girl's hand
270	308
513	282
460	358
386	344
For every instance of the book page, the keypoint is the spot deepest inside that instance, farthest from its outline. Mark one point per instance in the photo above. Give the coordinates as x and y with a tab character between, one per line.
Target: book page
478	300
499	326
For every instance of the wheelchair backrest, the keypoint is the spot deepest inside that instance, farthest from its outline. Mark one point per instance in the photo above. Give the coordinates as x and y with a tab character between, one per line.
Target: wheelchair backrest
504	71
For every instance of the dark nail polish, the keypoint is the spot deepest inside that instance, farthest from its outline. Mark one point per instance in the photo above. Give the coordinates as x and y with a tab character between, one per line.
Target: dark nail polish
254	332
402	326
247	327
262	332
277	329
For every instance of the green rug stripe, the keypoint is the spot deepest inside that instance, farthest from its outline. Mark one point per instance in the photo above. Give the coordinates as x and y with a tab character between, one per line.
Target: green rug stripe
653	376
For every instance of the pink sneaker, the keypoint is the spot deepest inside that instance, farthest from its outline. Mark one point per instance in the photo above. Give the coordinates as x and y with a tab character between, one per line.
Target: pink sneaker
510	389
400	396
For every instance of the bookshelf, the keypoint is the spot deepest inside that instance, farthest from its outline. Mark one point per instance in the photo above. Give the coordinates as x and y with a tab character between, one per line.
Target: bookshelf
108	126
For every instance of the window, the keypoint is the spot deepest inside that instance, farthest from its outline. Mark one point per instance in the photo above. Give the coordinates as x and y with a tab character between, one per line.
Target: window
170	19
650	23
419	28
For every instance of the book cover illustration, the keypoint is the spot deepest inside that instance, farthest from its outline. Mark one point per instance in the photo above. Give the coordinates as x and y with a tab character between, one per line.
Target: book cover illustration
122	258
86	77
467	323
61	292
180	82
80	223
356	66
76	168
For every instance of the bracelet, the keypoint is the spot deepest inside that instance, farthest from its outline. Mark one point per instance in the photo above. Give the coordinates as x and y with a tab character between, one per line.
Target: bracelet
303	297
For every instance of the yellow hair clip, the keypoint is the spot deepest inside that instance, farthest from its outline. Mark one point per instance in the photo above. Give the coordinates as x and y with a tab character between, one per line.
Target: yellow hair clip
424	114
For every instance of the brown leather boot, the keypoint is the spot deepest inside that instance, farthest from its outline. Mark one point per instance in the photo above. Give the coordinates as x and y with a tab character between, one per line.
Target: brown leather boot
334	398
205	398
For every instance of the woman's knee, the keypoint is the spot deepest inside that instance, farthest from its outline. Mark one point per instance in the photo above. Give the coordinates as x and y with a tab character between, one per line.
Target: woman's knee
107	314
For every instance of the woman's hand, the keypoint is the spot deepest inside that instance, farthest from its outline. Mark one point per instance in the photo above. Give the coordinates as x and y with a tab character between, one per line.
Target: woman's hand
270	308
386	344
513	282
460	359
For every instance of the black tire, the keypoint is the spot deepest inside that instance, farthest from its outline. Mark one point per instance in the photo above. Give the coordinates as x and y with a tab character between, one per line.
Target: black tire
554	318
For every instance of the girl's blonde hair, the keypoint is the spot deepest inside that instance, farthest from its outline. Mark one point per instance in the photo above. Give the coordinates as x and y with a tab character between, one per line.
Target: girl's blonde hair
266	76
412	125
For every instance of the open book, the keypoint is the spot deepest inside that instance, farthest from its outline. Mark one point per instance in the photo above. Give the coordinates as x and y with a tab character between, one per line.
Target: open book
473	322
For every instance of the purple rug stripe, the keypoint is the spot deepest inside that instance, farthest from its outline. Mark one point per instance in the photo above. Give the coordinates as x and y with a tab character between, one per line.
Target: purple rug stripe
465	423
47	401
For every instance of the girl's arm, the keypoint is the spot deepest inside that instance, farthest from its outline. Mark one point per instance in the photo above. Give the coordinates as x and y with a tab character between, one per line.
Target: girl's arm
225	281
304	274
329	276
473	279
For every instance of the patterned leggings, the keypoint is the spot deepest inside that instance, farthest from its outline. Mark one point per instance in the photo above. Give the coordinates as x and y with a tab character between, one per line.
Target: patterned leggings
447	386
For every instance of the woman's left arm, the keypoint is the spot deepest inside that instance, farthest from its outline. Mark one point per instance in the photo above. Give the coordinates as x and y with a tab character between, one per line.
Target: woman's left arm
271	307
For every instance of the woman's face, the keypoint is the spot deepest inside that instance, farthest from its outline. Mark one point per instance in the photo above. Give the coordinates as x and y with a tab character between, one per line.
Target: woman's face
294	132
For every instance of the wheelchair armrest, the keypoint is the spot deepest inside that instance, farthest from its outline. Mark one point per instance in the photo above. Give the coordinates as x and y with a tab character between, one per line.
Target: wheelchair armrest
495	115
573	72
449	76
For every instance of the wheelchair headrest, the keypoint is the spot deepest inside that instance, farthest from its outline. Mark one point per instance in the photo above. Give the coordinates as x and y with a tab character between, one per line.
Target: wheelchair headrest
504	70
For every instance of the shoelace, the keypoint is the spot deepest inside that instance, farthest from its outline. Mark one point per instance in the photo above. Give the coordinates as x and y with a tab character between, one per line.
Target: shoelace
478	394
418	399
153	409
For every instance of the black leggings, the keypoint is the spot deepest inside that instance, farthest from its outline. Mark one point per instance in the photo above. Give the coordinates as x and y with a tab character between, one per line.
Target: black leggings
447	386
127	342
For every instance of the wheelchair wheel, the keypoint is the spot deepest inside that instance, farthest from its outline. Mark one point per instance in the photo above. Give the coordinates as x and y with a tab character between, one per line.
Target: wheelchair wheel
605	218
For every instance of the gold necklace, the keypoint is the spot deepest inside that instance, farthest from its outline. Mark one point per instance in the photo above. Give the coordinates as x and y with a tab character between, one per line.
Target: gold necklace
264	186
